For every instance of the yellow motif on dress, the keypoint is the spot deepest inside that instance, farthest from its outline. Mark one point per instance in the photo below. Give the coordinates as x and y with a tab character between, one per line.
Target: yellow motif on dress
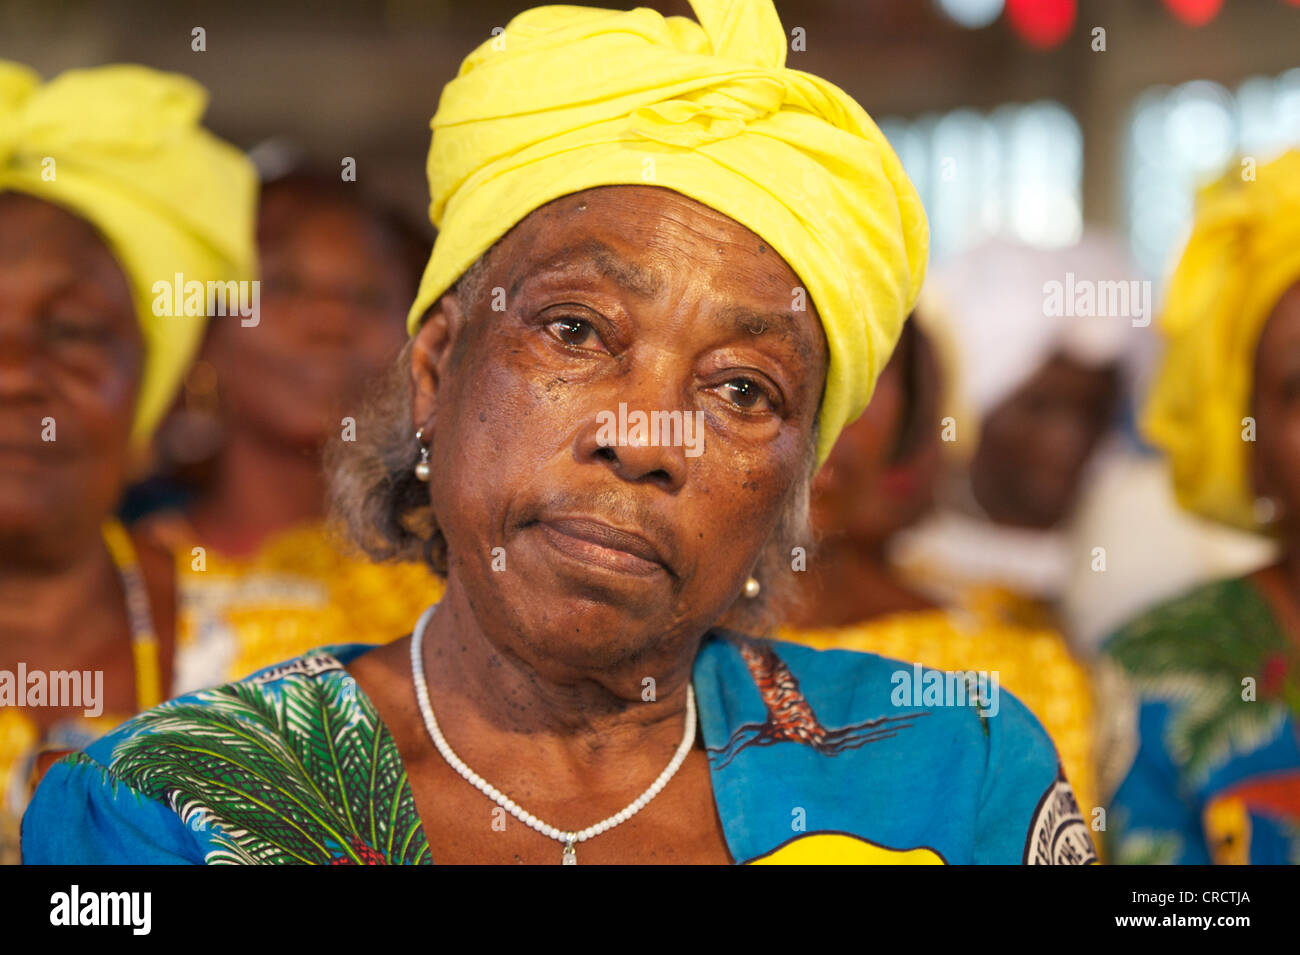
837	848
1227	830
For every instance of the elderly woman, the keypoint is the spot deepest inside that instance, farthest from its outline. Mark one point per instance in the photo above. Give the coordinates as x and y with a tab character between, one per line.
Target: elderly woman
638	215
1215	672
108	185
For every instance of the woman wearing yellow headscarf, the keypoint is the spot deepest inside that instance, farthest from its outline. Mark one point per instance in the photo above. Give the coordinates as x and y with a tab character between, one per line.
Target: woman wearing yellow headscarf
1215	773
880	479
260	575
645	222
108	187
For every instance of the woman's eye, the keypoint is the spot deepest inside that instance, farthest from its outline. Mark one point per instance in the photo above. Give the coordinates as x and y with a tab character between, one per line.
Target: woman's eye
75	328
747	394
282	285
1291	387
575	332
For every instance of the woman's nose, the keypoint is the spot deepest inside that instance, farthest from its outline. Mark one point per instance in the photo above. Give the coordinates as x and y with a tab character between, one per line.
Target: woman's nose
640	443
23	372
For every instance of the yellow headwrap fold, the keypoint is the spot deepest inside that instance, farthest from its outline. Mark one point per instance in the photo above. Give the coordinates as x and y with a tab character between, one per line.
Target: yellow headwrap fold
570	98
1243	254
122	147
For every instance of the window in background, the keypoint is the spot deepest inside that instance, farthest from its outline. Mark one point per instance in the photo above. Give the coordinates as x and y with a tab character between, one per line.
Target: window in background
1016	172
1180	137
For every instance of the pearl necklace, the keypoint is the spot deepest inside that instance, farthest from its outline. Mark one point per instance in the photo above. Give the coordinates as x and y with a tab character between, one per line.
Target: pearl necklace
568	837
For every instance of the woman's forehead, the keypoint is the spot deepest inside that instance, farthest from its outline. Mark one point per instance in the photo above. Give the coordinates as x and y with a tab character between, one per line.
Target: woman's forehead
43	235
30	221
1284	319
642	237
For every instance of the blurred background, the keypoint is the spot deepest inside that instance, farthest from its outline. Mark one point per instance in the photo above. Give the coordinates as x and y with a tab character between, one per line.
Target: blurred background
1046	138
1020	121
1008	119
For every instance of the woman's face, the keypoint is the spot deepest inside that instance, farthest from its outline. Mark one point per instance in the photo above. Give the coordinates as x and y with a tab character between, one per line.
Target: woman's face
334	296
1276	404
71	356
1035	445
632	297
881	474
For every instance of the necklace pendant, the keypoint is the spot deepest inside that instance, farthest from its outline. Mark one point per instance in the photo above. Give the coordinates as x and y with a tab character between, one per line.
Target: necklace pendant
570	857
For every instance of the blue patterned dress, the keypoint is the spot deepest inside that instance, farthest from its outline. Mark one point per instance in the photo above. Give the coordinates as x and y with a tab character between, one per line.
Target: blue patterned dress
815	756
1214	749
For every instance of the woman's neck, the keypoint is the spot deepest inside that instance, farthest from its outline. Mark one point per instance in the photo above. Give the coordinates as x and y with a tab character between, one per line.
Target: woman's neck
849	582
589	726
53	616
260	488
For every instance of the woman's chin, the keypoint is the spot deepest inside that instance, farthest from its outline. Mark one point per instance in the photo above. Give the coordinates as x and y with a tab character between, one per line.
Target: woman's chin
567	618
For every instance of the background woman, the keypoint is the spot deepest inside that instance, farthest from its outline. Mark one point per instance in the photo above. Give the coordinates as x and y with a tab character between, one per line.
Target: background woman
1033	396
879	480
259	576
1214	736
108	184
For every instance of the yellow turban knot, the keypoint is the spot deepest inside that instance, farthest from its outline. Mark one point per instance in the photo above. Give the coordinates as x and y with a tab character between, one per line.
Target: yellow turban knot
570	98
1243	254
122	147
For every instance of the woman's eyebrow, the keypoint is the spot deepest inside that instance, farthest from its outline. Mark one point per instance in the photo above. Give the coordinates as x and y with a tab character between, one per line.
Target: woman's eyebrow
59	279
741	318
595	256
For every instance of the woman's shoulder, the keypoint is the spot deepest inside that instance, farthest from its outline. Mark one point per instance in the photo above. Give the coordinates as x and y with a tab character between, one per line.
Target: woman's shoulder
237	700
879	748
946	716
1225	620
951	640
1034	664
213	775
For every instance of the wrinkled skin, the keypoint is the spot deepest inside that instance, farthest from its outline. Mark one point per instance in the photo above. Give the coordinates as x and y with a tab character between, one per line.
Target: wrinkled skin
620	294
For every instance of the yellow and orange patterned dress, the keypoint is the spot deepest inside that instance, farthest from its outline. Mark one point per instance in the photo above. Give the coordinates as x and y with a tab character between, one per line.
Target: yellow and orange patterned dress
23	742
304	588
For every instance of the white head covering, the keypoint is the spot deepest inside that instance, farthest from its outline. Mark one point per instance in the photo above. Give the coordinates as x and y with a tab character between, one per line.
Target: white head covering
1008	309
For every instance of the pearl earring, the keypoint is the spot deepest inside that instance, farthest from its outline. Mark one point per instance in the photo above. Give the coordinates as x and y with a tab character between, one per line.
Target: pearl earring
1267	510
752	587
422	465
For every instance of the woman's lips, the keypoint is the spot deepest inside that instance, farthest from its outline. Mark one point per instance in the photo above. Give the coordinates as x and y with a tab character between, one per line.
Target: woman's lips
595	543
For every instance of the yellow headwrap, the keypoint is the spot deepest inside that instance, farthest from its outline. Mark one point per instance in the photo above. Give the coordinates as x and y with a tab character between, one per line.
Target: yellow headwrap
1244	253
122	147
569	98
